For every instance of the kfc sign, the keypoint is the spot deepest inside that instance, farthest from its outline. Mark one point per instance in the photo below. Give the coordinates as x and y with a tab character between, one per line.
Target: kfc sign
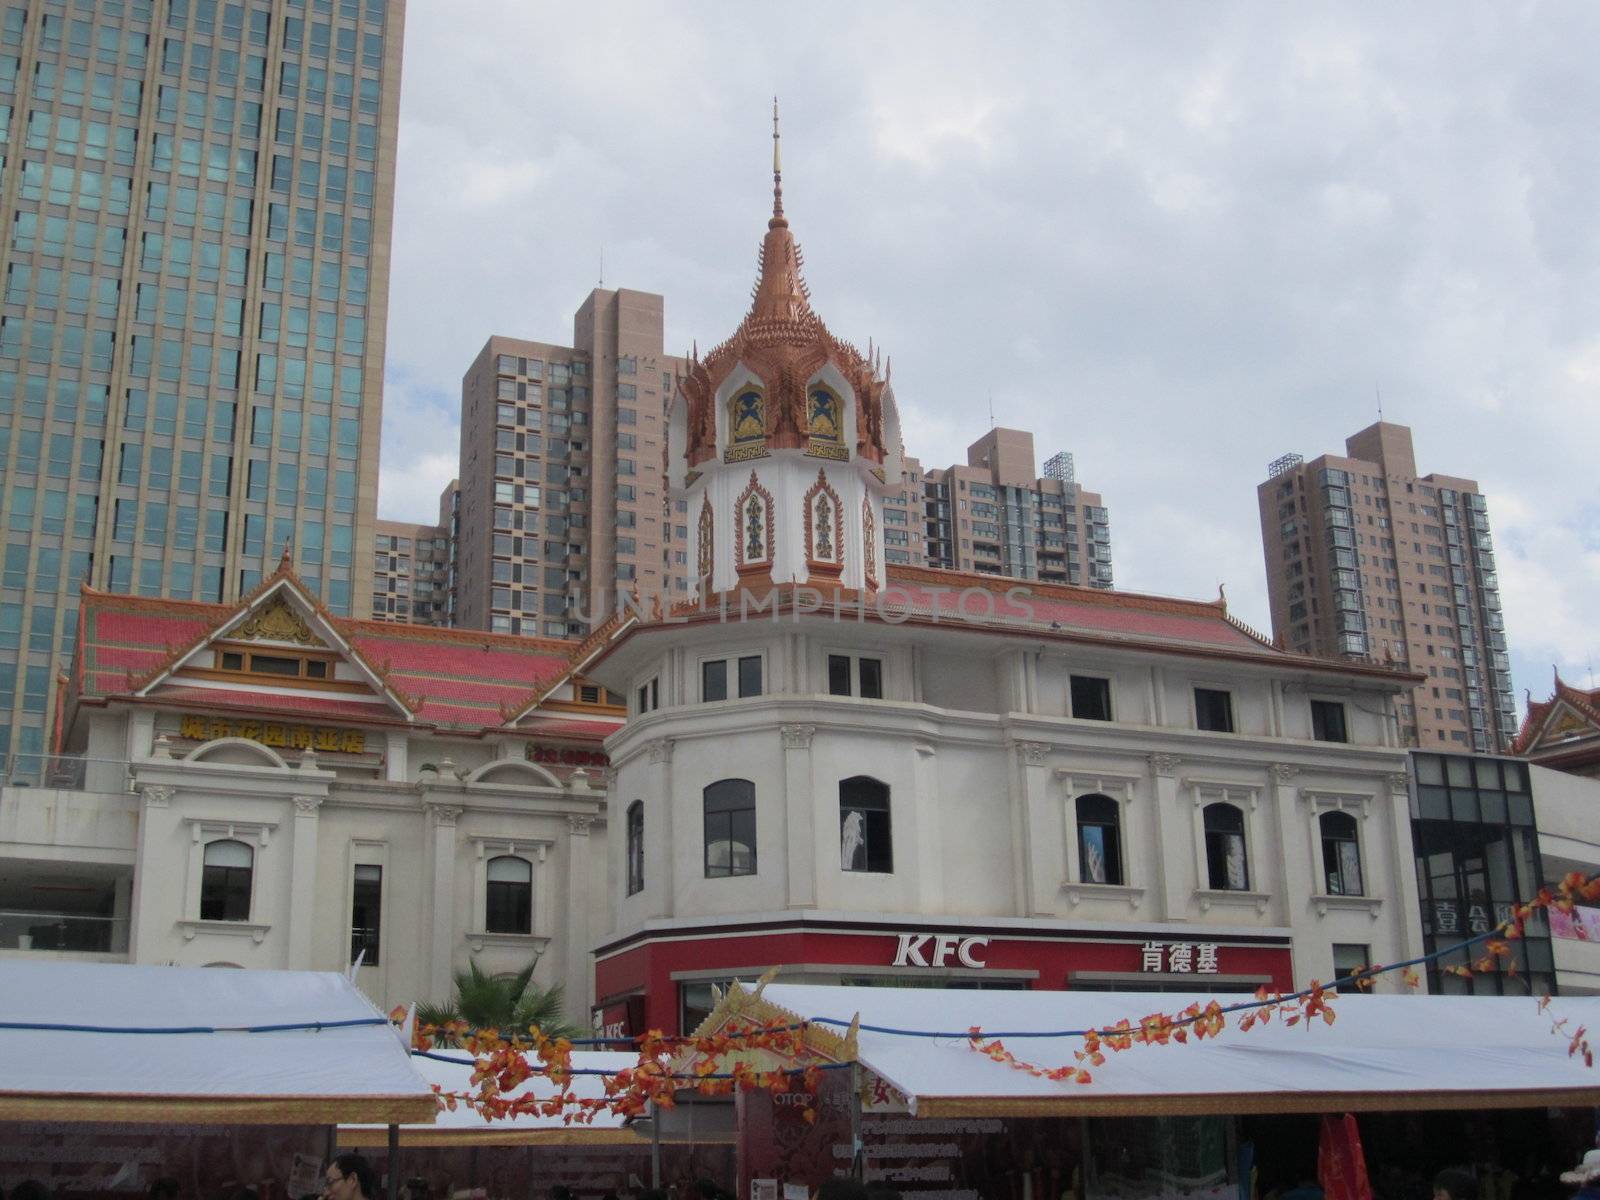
936	949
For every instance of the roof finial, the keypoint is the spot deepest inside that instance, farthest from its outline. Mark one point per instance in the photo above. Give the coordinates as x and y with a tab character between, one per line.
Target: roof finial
777	169
286	563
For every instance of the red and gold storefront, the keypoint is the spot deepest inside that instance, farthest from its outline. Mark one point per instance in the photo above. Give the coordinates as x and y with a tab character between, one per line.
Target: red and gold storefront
662	977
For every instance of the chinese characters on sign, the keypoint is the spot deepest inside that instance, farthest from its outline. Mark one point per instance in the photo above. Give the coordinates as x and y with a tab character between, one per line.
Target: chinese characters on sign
1180	958
567	756
1448	917
275	733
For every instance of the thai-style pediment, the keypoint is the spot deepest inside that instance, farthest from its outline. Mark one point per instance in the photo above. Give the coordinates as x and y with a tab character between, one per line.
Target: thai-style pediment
277	621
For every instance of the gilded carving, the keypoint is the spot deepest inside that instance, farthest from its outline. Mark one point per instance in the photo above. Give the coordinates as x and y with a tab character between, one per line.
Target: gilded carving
277	622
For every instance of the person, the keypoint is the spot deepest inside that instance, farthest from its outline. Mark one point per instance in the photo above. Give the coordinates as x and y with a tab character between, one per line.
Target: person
1453	1183
350	1177
1586	1175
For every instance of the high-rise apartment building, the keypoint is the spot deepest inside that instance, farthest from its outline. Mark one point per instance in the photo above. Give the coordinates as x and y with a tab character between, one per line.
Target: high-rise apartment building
996	516
195	203
411	567
1367	559
562	497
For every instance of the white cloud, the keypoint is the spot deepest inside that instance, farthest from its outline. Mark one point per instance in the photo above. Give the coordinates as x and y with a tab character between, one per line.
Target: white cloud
1177	242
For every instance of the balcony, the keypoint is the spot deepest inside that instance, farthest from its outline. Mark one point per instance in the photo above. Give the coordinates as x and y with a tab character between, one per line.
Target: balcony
62	934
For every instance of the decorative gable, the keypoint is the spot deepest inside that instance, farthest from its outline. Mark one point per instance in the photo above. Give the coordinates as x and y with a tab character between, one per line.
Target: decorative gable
277	622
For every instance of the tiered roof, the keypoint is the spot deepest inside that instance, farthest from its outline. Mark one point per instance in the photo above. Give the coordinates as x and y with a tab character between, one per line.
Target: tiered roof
1563	731
450	679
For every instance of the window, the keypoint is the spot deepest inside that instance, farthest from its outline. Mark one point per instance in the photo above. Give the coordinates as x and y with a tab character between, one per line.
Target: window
1213	710
1341	854
508	901
1226	868
714	677
366	914
730	814
865	841
225	882
635	847
849	676
714	680
1091	701
1099	839
650	695
1349	958
1327	721
288	666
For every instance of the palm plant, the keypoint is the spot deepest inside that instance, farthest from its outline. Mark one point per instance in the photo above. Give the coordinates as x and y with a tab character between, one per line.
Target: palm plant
508	1002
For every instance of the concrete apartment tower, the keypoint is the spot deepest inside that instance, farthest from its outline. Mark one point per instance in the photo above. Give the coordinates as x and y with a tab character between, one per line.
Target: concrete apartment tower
997	516
1366	559
196	201
562	495
411	567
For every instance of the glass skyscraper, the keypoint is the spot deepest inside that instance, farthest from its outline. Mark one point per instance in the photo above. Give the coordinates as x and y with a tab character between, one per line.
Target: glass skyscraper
195	203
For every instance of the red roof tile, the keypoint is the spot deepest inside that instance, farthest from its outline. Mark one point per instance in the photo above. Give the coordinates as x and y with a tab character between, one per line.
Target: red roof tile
456	678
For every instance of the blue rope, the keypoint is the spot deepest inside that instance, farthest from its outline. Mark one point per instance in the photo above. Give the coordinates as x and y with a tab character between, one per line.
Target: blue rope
287	1027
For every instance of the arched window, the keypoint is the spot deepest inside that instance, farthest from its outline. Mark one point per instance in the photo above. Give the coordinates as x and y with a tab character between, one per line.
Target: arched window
225	882
508	899
823	413
747	416
636	847
1099	839
1341	854
866	842
1226	865
730	807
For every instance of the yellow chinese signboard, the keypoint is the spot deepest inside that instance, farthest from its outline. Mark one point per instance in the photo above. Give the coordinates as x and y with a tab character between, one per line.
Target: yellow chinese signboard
275	733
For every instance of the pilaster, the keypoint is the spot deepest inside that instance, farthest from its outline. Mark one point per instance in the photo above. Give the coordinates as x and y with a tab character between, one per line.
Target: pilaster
579	976
800	816
1169	824
302	881
442	908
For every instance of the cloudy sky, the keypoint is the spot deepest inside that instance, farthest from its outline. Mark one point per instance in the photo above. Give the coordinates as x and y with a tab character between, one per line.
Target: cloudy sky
1176	240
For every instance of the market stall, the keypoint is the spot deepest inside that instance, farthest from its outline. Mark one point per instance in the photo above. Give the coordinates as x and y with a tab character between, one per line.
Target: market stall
927	1108
589	1154
112	1075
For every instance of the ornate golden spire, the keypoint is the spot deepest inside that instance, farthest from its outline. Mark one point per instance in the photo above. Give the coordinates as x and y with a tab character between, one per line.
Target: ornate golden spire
777	174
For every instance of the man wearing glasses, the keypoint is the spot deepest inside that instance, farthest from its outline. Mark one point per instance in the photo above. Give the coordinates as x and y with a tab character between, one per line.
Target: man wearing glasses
350	1177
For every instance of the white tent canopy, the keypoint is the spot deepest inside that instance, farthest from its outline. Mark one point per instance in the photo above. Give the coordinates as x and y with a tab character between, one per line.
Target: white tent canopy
1383	1052
66	1055
451	1070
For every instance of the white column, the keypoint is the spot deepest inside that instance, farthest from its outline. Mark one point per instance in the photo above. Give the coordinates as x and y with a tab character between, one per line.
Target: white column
1040	858
800	818
1169	824
1407	904
658	810
303	882
145	917
578	984
442	934
925	805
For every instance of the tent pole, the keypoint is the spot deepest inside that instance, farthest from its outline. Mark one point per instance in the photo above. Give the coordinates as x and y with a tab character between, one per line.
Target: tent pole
394	1162
858	1156
655	1146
